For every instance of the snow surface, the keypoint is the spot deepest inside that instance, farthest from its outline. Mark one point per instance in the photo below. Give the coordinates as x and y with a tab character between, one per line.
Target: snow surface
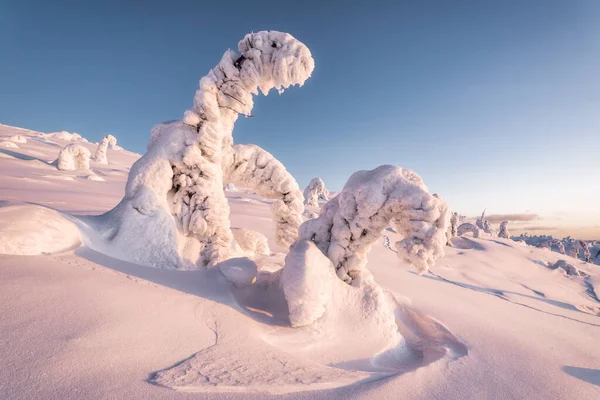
491	319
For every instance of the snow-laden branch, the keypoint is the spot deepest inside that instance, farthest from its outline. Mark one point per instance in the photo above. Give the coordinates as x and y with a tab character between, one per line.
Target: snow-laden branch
354	219
250	166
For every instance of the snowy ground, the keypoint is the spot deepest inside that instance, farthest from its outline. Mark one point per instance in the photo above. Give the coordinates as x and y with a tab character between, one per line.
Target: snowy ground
489	321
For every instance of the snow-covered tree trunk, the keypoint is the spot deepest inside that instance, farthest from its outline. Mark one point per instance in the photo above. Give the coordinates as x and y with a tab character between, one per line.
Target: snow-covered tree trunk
182	172
73	157
354	219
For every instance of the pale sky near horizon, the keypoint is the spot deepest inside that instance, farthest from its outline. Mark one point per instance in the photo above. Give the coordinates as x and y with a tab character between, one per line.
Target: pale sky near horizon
494	103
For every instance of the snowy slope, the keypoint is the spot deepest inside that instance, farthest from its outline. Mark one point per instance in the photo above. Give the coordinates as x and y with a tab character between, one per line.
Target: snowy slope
490	320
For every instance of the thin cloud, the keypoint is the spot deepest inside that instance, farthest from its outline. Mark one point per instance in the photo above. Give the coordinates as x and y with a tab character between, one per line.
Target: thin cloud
539	228
497	218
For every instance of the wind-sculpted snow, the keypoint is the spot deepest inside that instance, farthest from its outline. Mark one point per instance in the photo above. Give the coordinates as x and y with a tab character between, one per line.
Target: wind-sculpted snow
100	155
7	144
188	162
314	192
354	219
468	227
73	157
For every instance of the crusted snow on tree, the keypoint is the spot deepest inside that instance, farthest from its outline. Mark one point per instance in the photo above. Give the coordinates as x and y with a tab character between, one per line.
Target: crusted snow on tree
73	157
354	219
189	161
504	230
553	242
585	250
252	167
468	227
314	192
100	155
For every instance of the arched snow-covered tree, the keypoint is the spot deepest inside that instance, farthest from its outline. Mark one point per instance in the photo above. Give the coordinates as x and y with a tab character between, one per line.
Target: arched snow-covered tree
504	230
354	219
73	157
468	227
100	155
174	196
314	192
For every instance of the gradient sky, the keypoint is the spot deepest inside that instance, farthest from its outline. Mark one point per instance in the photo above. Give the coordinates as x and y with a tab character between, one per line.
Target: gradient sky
494	103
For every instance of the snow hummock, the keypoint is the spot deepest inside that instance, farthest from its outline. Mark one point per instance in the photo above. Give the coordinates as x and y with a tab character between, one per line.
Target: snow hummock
34	230
307	281
73	157
468	227
7	144
18	139
504	230
353	220
314	192
251	242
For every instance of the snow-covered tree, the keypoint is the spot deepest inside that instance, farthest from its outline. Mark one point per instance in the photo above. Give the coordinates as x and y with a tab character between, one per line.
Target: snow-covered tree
100	155
468	227
480	221
7	144
230	187
188	162
504	230
314	192
73	157
354	219
586	256
553	242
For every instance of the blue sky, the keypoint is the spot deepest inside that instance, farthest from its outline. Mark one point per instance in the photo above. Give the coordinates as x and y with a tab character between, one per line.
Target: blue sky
494	103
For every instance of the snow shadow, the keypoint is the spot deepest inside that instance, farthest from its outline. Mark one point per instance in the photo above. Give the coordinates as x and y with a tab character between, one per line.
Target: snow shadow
501	294
585	374
21	156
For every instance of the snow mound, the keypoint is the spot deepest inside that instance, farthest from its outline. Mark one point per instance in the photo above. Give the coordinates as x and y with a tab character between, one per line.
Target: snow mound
95	178
569	269
73	157
64	135
35	230
8	144
18	139
251	242
239	271
307	282
353	220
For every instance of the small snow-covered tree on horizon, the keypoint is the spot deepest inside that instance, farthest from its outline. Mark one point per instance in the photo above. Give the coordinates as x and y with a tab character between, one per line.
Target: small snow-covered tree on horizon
100	155
468	227
504	230
190	160
73	157
314	192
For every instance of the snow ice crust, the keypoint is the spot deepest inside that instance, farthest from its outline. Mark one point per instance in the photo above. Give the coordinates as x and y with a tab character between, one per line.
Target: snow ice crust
188	162
349	223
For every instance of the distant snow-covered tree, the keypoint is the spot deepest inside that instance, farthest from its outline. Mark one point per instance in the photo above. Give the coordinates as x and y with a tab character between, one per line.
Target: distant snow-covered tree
468	227
504	230
100	155
314	192
73	157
